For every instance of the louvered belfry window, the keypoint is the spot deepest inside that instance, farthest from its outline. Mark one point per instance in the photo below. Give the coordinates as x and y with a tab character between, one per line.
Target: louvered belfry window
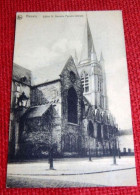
85	81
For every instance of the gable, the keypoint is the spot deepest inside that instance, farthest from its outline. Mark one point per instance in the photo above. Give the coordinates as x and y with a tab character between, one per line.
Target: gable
50	72
70	67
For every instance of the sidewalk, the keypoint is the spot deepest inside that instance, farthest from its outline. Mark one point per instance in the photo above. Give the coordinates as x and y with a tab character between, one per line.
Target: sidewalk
74	166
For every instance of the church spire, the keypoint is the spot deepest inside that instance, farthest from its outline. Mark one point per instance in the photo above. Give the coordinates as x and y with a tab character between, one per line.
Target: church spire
88	49
90	45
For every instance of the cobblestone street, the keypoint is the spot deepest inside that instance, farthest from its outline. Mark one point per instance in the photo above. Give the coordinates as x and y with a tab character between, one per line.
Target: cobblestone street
44	183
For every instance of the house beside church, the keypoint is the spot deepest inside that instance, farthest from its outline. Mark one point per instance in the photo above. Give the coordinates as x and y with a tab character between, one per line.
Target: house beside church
64	106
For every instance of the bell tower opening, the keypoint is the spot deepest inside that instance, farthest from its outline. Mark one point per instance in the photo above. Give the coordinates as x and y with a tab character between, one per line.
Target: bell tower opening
85	82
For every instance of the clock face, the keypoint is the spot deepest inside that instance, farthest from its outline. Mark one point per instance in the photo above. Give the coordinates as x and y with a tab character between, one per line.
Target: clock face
72	77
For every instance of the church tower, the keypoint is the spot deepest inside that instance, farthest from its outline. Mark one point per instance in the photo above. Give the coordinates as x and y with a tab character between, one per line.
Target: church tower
92	72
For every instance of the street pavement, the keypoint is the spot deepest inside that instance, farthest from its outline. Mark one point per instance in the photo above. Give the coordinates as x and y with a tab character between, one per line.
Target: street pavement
34	182
75	172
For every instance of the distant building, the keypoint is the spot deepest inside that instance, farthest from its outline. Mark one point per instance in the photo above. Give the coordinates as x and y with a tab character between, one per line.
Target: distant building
67	109
126	143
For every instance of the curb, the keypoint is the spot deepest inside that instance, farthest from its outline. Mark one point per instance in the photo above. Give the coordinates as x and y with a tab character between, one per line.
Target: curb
66	174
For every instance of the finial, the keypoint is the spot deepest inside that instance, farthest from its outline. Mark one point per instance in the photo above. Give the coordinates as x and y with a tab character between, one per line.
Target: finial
101	57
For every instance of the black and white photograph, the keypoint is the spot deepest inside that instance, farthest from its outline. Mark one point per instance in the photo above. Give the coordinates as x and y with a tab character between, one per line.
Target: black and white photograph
70	117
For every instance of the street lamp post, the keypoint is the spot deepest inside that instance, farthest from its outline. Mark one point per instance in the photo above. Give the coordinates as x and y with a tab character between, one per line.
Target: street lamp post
18	113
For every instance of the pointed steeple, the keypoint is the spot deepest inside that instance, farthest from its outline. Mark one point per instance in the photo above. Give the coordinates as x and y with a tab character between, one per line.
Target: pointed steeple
88	49
91	48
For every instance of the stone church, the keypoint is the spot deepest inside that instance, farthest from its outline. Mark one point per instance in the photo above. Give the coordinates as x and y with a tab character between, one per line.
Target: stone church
67	109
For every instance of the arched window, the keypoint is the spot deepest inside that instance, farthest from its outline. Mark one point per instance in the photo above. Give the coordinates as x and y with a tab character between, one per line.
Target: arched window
69	143
85	81
72	105
72	76
90	129
99	132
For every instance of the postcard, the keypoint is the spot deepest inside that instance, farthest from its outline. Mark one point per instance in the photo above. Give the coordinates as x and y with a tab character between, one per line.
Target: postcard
70	119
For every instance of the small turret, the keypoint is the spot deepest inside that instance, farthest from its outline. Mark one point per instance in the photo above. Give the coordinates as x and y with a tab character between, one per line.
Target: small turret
101	59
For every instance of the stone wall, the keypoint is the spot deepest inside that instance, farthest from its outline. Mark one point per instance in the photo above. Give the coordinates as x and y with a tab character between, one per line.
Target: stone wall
66	83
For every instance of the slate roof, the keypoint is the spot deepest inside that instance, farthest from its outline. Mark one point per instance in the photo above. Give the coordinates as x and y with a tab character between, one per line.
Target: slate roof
38	76
37	111
49	73
21	74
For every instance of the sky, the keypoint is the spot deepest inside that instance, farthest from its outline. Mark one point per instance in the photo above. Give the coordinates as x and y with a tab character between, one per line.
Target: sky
44	38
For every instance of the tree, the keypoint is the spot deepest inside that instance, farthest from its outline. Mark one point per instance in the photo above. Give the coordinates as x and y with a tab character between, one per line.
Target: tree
91	135
51	158
112	140
90	148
